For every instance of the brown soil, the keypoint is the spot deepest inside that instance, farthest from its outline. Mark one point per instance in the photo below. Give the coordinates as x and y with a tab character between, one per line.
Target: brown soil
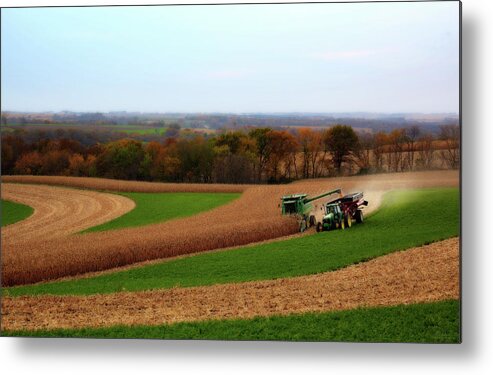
59	212
251	218
423	274
121	185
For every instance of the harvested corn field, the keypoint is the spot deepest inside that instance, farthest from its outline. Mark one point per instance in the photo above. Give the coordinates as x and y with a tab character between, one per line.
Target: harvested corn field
424	274
59	212
251	218
122	185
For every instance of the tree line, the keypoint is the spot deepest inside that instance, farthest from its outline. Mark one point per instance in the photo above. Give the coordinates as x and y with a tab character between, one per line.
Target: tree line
259	155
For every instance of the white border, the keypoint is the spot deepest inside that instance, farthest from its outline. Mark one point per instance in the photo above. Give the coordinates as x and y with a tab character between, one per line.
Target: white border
474	356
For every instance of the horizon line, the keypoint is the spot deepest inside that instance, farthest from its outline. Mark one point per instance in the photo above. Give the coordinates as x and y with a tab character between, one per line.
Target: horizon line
236	113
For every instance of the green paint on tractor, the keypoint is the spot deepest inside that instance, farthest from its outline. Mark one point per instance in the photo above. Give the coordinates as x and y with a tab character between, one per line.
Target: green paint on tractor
300	206
339	213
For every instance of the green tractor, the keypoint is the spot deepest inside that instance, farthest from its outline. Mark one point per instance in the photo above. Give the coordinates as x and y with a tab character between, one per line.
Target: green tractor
341	212
300	206
333	218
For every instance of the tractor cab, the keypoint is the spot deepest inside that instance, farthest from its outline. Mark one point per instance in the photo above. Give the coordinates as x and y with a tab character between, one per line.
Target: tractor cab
332	208
332	211
333	217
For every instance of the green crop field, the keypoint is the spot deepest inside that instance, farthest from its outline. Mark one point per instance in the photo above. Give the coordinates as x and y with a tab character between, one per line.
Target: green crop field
153	208
406	219
14	212
425	323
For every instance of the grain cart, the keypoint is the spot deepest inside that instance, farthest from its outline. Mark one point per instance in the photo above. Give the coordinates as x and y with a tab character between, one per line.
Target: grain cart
300	206
341	212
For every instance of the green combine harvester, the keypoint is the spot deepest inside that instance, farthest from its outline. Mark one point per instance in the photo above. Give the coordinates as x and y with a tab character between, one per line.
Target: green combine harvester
300	206
338	213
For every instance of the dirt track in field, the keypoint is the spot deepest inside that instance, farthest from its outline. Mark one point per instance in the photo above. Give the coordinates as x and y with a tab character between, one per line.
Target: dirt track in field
251	218
424	274
59	212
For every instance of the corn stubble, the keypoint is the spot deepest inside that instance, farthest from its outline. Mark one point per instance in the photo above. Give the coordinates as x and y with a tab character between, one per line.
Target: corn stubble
254	217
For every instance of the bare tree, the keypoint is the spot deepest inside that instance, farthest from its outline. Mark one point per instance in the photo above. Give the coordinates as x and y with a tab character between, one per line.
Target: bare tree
426	151
397	139
362	153
380	142
450	134
411	134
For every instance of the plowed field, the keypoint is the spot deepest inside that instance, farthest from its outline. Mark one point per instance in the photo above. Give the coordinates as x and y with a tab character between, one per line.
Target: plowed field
423	274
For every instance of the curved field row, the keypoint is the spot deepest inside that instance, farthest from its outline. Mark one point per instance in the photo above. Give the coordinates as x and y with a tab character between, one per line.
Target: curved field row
58	212
434	322
401	212
425	274
154	208
251	218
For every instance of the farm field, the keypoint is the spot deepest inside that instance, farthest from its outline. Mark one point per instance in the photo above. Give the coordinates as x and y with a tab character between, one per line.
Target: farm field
58	212
13	212
436	322
400	211
253	276
223	227
159	207
402	277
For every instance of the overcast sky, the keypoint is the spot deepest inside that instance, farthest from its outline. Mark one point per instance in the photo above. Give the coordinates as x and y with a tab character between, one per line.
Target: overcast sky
376	57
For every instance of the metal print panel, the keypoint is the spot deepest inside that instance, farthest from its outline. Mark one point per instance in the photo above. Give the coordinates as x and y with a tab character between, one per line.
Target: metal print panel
232	172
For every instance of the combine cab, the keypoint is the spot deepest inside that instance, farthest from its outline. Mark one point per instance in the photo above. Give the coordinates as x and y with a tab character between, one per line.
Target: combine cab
300	206
341	212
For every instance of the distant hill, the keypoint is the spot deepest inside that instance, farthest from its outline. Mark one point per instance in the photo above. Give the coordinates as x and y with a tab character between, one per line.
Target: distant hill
366	121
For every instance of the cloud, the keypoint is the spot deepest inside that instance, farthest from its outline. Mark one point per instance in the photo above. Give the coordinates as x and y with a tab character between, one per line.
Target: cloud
343	55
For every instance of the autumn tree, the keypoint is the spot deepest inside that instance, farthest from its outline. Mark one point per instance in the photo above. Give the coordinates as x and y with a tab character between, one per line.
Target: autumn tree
307	139
164	161
450	134
341	141
121	160
380	140
12	149
235	156
29	163
411	136
260	135
363	152
425	151
196	159
82	166
281	144
397	140
55	162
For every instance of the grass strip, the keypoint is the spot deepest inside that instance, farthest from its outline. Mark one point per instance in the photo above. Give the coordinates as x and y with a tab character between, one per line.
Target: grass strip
406	219
437	322
13	212
151	208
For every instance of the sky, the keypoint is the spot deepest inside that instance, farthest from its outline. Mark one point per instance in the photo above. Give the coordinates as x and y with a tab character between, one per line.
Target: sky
371	57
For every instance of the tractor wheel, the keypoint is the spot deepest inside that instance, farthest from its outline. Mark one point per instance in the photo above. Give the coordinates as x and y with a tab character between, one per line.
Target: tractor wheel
347	220
312	220
302	225
320	227
359	216
342	225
